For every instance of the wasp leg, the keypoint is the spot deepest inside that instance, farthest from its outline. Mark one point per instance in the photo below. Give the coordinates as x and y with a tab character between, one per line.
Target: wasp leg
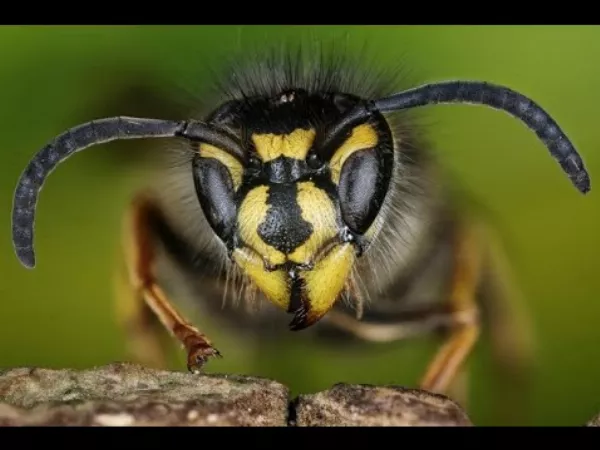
144	332
462	301
408	325
141	259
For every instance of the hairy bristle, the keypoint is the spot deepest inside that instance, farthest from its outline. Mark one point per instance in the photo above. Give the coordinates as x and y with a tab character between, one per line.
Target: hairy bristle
314	68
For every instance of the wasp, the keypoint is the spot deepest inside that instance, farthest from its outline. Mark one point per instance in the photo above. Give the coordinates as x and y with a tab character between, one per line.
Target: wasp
306	191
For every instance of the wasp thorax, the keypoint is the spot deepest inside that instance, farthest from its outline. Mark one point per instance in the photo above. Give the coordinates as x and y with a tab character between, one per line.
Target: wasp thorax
294	208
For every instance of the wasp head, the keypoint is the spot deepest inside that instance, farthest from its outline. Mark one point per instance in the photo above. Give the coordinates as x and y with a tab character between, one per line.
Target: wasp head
296	210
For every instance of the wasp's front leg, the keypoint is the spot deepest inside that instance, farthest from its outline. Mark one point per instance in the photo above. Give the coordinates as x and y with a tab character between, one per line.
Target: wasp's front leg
141	261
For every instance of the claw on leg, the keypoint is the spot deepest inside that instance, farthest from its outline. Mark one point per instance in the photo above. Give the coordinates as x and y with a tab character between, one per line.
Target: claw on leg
198	347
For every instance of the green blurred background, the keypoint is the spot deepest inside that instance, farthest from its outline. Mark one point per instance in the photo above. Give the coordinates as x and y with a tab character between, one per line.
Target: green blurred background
62	313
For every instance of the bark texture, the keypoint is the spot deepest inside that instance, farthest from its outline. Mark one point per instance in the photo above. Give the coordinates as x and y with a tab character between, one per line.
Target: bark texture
125	394
361	405
130	395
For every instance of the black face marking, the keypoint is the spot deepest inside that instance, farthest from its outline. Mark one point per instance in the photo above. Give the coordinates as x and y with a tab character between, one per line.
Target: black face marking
216	195
284	228
285	170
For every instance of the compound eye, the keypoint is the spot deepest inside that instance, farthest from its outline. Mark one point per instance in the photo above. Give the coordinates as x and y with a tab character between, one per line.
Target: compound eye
362	167
361	190
216	194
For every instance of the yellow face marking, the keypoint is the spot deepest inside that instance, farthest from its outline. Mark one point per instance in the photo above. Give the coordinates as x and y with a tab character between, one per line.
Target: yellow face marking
362	137
274	285
252	213
318	210
294	145
326	281
234	167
